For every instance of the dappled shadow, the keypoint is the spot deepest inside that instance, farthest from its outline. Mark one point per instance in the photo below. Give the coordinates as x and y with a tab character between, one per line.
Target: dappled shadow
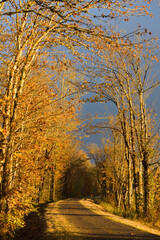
35	226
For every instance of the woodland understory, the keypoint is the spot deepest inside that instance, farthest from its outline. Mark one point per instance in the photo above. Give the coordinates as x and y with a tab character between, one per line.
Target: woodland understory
56	56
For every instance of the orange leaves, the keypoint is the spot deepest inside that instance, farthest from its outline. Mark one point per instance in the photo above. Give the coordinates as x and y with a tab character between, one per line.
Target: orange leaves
126	19
156	58
45	121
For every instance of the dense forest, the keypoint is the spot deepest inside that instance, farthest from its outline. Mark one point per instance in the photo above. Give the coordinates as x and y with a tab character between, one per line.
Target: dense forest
54	57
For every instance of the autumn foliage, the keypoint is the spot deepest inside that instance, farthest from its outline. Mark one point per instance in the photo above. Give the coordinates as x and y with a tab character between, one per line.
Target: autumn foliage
132	153
52	53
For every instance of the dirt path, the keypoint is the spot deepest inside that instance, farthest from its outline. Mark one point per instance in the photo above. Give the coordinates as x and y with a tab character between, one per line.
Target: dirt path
81	219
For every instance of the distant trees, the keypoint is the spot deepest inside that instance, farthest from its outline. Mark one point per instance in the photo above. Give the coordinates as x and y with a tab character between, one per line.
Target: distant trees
111	168
80	177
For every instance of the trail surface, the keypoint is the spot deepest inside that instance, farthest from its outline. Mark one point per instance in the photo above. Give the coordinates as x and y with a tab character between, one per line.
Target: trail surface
81	219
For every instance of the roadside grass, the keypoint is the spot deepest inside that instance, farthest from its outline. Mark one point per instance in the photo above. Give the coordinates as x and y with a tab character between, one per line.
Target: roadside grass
131	215
126	214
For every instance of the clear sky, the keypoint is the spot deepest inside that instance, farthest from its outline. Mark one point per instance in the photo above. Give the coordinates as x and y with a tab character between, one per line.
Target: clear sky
152	24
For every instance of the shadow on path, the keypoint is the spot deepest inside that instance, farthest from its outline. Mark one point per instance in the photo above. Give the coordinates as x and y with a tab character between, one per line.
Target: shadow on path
34	226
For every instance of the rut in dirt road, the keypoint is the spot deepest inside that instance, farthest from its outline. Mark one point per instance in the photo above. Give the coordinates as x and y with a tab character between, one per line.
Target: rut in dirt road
74	221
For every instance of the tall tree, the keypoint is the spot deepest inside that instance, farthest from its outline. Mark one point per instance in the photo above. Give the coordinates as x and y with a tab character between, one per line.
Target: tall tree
122	77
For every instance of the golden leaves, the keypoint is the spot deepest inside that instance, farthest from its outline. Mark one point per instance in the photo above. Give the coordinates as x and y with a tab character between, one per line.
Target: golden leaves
157	59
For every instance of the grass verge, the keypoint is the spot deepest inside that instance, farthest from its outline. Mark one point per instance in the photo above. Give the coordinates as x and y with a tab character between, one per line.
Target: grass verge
130	215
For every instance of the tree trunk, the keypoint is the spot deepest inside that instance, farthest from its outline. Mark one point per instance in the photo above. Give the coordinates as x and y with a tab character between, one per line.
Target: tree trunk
129	182
146	183
51	194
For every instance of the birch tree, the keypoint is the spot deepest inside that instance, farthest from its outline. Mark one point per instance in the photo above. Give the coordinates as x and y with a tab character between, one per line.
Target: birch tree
123	77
